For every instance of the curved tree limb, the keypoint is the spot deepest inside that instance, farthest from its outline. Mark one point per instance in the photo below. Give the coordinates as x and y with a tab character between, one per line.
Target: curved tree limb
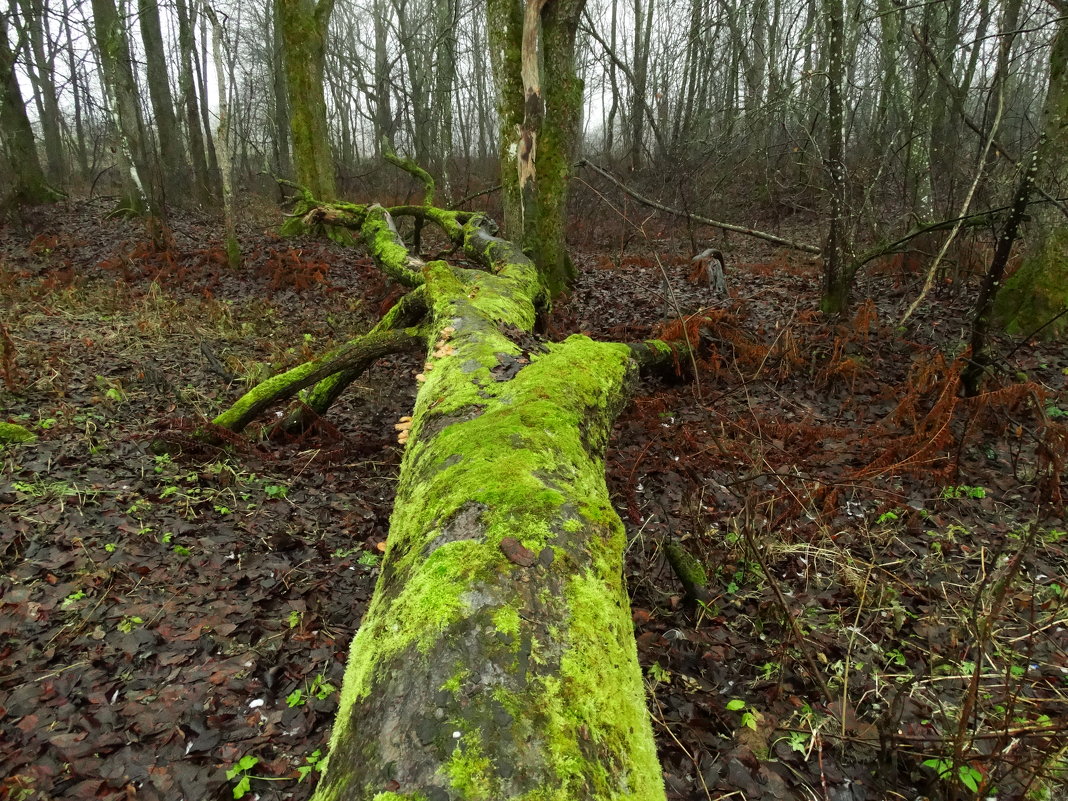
352	357
413	169
777	240
409	312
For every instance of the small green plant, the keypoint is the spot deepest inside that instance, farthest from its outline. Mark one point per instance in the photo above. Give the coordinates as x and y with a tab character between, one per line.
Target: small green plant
750	717
112	389
138	506
111	547
73	598
319	688
966	774
294	618
369	559
45	488
314	760
240	771
129	623
659	674
963	491
798	741
275	491
887	517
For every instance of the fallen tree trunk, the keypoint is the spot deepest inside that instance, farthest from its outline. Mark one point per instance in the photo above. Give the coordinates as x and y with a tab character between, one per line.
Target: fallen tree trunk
497	657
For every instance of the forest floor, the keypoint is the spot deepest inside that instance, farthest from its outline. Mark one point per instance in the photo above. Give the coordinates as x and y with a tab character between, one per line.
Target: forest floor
886	571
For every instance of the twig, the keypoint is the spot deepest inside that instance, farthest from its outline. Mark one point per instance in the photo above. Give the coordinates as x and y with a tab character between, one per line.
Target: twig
777	240
810	660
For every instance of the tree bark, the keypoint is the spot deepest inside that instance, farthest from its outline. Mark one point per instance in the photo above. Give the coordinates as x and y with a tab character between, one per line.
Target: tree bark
1033	301
190	104
113	49
533	54
35	20
16	134
497	658
837	277
304	28
171	159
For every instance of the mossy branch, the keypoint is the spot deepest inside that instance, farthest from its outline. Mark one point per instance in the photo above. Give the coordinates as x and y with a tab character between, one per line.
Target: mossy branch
408	313
689	571
354	356
413	169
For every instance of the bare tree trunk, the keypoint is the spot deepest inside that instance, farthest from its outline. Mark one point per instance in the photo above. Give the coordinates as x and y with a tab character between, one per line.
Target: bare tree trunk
171	159
540	107
80	148
113	50
16	135
35	20
201	66
191	106
836	274
222	141
283	161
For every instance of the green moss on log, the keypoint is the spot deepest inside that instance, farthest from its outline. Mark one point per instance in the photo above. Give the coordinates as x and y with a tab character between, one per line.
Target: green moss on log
11	432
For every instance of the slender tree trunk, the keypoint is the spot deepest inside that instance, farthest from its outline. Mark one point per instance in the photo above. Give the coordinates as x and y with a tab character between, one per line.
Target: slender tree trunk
836	274
171	159
190	105
383	89
283	160
222	141
442	103
113	49
35	19
16	134
613	110
1034	300
201	66
642	35
533	52
80	147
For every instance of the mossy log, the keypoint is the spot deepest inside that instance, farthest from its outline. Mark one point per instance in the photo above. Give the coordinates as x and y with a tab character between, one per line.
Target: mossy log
497	658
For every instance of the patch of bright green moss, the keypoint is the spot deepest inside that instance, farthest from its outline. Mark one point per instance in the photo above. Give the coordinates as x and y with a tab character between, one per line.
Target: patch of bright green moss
470	771
10	432
506	619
